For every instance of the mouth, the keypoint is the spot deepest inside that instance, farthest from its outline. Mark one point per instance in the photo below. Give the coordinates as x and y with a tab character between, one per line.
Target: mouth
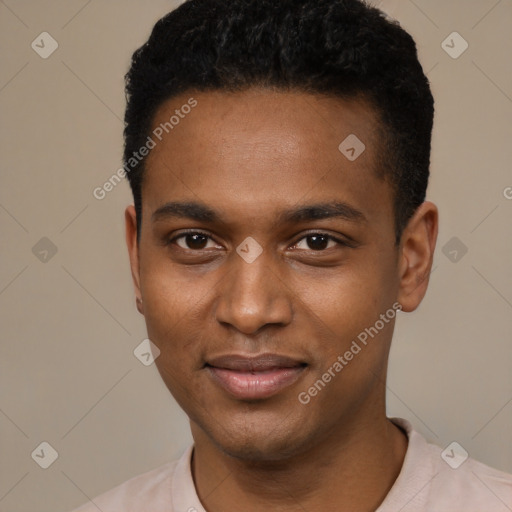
254	378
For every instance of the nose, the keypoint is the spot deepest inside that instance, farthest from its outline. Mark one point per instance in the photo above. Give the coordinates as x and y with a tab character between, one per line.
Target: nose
253	295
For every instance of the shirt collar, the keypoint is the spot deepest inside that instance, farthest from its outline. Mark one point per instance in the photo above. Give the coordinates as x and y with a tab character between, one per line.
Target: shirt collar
409	490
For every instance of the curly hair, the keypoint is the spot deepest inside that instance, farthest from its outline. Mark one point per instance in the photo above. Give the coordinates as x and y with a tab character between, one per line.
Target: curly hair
340	48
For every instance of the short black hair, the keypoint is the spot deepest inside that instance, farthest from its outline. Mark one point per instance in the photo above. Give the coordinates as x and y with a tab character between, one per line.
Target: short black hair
340	48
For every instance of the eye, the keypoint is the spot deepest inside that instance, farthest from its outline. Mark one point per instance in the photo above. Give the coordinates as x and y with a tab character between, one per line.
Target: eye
319	242
193	240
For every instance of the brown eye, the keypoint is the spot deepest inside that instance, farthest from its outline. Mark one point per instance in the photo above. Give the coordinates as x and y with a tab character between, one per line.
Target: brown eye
317	242
193	241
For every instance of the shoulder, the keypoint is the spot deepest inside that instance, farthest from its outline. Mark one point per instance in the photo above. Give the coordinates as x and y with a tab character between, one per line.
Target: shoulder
468	483
148	491
434	479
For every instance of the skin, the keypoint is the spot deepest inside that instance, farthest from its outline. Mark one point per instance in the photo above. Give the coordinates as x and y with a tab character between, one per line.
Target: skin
249	156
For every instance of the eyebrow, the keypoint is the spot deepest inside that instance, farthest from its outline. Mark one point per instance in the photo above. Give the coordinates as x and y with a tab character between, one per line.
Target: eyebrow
305	213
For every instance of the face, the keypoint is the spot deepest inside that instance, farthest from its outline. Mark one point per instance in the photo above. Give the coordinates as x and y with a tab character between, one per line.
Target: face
264	253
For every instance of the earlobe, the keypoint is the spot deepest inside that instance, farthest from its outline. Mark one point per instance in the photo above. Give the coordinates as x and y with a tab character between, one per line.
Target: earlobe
417	247
140	308
133	252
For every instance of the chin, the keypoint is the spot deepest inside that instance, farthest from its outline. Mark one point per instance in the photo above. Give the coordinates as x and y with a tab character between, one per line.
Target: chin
254	442
259	450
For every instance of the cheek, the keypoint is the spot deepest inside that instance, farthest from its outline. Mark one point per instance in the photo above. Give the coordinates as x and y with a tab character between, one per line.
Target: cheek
344	299
344	308
175	326
169	292
172	311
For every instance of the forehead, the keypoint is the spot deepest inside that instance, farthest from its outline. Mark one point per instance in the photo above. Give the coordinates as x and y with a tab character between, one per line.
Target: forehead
261	149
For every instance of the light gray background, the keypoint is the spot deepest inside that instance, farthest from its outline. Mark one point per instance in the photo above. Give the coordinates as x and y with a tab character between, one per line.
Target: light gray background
69	325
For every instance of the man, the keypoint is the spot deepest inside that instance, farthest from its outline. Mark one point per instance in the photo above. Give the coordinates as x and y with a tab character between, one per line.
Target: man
278	154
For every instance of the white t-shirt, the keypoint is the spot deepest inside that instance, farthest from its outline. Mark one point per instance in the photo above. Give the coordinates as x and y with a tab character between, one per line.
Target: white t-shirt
428	482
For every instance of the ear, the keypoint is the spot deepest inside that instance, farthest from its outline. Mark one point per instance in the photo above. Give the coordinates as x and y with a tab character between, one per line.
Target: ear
416	255
133	251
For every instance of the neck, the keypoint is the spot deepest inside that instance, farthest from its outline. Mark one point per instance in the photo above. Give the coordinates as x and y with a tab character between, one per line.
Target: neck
352	469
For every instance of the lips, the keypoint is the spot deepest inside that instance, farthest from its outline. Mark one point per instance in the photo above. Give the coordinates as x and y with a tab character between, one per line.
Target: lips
254	377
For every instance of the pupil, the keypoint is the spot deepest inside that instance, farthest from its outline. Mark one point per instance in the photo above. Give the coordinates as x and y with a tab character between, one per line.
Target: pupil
196	241
317	242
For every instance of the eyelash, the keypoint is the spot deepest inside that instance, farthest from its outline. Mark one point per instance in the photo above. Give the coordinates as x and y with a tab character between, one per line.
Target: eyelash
339	241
